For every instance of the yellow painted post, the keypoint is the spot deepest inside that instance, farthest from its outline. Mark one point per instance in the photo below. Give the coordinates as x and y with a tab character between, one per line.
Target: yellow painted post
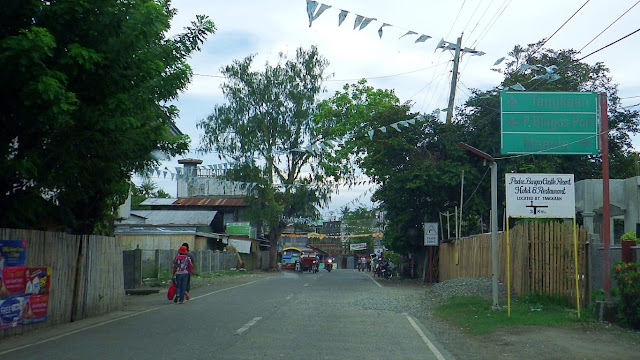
575	261
508	275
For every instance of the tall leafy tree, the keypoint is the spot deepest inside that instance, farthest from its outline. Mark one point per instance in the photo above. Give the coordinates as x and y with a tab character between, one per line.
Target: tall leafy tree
266	128
84	101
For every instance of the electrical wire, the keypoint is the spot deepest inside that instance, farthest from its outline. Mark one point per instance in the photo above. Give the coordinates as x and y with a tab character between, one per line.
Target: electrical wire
456	19
606	46
471	17
387	76
565	23
490	25
605	29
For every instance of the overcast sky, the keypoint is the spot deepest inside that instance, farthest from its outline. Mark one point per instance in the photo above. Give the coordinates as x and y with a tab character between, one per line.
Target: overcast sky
417	72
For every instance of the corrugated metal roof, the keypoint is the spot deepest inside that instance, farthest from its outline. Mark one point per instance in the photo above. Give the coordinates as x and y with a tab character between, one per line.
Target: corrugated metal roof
212	201
169	217
158	201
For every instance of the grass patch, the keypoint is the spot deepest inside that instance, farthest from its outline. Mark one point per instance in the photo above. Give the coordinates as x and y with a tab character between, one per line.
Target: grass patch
475	315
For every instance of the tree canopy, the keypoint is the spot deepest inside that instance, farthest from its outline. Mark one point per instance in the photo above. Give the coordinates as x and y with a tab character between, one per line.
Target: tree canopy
418	169
266	129
84	101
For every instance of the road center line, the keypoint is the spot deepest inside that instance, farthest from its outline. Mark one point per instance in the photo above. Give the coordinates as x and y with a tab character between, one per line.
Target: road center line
248	325
426	340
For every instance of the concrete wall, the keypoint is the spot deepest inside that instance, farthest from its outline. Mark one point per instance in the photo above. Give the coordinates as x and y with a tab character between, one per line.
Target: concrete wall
624	203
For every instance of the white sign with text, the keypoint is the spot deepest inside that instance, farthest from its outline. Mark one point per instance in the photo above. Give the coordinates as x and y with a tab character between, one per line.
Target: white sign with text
430	234
540	195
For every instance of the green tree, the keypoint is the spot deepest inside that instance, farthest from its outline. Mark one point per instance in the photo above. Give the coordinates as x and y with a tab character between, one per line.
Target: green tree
266	128
416	167
359	221
85	99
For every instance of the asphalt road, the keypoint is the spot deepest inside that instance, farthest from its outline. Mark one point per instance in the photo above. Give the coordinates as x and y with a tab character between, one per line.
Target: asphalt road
288	316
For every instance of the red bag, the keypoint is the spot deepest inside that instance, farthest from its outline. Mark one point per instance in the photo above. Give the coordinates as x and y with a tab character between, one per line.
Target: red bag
172	291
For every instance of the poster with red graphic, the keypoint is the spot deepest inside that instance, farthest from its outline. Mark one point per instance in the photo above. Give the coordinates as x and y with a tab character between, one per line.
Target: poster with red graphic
37	281
34	308
12	282
10	313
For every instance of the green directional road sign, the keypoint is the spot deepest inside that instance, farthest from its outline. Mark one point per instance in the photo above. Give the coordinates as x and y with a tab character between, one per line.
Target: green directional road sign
549	122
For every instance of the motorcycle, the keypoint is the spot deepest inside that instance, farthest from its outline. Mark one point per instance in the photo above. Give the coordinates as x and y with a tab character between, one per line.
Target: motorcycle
383	270
329	265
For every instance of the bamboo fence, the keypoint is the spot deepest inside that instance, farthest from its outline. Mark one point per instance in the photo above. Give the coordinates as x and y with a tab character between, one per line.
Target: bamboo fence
541	259
86	274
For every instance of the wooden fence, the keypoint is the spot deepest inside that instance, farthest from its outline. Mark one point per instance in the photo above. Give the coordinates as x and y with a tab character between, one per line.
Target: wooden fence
541	259
86	274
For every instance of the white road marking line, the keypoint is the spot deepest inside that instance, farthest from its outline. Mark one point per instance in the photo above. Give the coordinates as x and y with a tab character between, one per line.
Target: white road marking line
289	297
113	320
307	284
248	325
374	280
426	340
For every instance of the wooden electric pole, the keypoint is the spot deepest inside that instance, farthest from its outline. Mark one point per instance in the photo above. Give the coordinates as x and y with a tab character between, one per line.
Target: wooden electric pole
454	79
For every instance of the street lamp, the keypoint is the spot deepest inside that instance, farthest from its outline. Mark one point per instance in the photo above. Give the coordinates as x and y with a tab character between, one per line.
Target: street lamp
494	218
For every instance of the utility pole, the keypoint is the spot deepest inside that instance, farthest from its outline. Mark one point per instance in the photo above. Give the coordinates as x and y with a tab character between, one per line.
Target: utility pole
454	79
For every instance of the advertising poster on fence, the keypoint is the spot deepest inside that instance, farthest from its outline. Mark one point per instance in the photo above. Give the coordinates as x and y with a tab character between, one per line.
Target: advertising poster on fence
34	309
12	253
10	313
37	281
12	284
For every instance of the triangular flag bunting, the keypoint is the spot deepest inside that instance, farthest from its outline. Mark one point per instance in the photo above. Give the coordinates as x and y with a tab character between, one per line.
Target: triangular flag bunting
408	33
380	30
323	8
366	22
499	61
311	8
371	134
342	16
422	38
358	21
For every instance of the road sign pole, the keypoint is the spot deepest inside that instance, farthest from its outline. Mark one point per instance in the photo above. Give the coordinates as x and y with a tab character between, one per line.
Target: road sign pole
494	233
604	140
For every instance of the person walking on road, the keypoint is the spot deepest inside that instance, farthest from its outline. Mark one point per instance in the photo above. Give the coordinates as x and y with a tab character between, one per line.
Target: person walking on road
190	255
182	266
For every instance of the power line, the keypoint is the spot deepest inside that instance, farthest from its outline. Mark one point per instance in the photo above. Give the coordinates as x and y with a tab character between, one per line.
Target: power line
565	23
632	6
456	19
471	17
606	46
485	32
386	76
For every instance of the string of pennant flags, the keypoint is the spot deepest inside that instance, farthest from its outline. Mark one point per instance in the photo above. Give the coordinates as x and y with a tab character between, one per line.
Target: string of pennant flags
315	9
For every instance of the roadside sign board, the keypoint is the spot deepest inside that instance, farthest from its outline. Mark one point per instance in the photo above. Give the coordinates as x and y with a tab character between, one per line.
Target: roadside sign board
540	195
430	234
549	123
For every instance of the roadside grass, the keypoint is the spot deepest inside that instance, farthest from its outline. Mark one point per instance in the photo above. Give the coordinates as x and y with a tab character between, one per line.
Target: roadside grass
475	315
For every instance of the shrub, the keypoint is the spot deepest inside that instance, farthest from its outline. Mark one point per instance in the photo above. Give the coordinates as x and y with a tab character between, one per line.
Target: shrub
627	276
631	235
